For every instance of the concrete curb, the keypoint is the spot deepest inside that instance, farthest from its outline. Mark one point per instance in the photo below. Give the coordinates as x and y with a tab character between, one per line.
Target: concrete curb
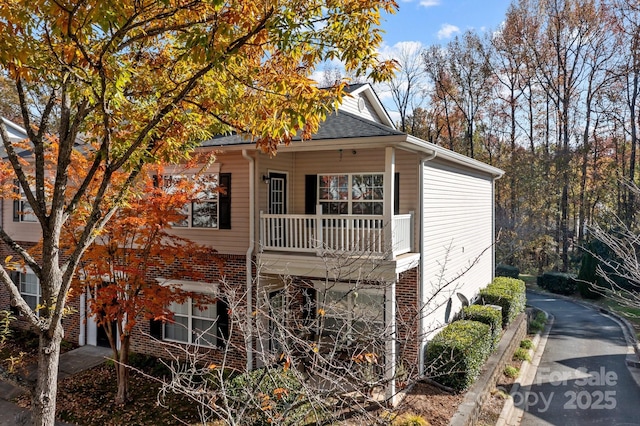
510	414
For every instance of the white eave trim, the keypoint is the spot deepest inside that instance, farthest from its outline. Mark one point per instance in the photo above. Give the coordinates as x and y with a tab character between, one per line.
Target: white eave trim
375	102
454	157
191	286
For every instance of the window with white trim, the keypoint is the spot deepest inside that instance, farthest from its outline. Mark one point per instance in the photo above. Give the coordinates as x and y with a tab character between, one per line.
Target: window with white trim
22	211
357	194
203	211
29	286
196	323
351	314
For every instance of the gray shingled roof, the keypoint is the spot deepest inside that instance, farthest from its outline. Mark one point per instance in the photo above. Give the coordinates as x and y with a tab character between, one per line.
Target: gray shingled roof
339	125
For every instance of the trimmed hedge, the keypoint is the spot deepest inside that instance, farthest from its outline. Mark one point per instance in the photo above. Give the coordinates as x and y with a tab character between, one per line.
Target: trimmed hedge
456	355
588	276
509	293
486	315
507	271
558	282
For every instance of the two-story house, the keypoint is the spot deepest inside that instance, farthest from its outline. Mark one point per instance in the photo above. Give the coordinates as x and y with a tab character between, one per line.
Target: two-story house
408	223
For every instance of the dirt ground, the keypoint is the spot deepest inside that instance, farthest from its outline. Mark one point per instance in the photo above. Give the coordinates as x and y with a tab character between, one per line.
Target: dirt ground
432	403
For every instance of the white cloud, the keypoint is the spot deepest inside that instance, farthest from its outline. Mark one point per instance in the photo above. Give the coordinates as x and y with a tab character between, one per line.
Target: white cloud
447	30
405	48
429	3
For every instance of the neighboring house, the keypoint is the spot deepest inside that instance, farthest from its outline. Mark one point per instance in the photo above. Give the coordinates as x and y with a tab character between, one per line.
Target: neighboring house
415	220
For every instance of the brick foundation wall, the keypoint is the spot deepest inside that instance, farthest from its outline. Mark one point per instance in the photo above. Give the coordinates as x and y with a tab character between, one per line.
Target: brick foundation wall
228	273
407	317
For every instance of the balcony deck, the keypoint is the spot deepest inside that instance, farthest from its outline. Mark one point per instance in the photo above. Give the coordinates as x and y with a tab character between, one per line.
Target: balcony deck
340	234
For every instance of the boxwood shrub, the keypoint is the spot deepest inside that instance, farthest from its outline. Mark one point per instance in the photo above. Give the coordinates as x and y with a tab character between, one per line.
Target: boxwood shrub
507	271
558	282
508	293
486	315
455	355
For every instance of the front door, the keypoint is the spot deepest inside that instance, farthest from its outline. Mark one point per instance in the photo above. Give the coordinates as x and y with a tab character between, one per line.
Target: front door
277	205
102	339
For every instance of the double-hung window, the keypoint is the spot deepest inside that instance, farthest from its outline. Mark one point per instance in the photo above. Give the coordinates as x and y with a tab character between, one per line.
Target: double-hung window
356	194
351	314
196	323
29	289
22	211
210	207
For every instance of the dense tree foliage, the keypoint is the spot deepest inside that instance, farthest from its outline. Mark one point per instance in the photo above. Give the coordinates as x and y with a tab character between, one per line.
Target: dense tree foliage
551	97
123	84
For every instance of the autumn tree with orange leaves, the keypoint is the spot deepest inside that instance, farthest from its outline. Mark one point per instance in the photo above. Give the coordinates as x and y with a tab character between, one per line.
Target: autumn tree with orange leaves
117	268
126	84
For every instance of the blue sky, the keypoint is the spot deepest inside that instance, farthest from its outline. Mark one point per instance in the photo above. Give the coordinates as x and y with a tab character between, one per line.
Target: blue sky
436	21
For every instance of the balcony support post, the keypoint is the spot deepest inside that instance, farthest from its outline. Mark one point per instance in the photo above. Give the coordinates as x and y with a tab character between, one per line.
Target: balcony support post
389	196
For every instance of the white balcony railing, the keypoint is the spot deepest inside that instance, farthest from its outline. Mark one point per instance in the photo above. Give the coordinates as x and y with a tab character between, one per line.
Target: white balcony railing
335	233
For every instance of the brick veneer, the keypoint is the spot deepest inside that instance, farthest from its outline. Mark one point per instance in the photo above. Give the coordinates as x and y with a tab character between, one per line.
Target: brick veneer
228	272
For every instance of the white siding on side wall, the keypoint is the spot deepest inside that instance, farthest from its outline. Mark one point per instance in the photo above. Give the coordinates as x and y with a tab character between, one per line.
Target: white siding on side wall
457	239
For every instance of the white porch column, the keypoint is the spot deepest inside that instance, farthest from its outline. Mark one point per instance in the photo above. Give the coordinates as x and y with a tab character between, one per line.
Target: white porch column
82	336
389	196
390	345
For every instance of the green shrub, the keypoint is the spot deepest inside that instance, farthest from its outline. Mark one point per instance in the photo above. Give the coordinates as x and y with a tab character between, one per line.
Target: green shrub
521	354
486	315
455	355
558	282
280	387
508	293
537	323
526	344
507	271
588	276
511	371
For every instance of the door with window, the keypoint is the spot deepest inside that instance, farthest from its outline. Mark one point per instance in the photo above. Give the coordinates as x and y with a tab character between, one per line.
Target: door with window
277	205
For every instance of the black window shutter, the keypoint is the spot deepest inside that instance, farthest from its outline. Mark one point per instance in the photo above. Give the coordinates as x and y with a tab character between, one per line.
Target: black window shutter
156	181
224	201
222	309
155	329
396	193
16	210
16	203
310	193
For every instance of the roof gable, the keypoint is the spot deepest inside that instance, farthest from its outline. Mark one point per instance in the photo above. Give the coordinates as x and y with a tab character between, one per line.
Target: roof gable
16	133
363	101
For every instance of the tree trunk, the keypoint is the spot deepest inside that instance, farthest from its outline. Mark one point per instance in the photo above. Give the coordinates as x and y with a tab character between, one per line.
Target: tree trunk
122	372
44	398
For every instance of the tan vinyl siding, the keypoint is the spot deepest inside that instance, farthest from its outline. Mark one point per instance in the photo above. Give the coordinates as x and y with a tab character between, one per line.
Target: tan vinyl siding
338	161
236	239
457	232
407	165
19	231
350	104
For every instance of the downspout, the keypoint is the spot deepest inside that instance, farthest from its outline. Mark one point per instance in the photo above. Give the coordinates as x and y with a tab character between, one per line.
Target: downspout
493	226
421	308
249	257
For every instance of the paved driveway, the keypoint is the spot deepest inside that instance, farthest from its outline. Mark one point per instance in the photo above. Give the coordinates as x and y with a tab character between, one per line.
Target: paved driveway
582	378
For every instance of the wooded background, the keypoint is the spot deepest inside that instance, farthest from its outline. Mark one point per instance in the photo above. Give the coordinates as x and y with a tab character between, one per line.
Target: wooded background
551	97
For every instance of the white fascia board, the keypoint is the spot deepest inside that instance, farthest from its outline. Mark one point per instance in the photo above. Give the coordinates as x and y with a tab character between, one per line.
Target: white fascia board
371	94
454	157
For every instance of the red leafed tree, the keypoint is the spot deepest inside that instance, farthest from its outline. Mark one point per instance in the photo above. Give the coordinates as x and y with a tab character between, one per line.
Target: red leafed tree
118	268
